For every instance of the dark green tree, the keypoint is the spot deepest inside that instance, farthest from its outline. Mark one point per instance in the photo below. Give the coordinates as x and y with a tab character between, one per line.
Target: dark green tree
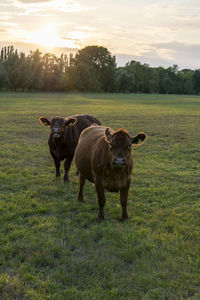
97	63
145	78
82	77
124	81
10	67
92	68
36	67
50	73
185	82
196	79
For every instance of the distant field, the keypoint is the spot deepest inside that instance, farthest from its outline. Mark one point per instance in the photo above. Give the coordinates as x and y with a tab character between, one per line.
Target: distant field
52	247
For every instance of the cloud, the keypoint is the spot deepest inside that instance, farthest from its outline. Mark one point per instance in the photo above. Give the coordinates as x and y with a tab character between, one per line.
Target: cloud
27	47
7	25
38	7
166	54
86	28
4	17
183	53
173	14
77	35
3	30
153	31
6	3
33	1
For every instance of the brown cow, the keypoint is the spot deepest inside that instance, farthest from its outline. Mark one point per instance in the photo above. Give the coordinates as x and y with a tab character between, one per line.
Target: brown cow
63	138
103	156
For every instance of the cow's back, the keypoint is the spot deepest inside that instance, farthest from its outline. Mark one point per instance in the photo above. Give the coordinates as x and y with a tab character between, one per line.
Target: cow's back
71	135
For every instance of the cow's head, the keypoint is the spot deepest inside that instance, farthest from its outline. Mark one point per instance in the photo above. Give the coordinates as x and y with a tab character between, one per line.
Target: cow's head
120	144
58	125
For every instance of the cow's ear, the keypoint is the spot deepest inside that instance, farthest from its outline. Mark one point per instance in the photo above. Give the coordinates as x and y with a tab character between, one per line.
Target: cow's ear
141	136
108	135
70	122
45	121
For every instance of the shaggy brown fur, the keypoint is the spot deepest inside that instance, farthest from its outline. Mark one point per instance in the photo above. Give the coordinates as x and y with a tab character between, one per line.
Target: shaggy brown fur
63	138
103	156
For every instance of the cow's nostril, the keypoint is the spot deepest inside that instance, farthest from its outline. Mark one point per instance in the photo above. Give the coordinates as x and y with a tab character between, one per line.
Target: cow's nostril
119	161
56	131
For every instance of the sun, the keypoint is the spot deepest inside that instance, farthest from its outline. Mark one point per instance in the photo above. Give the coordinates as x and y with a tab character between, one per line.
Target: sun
49	38
44	38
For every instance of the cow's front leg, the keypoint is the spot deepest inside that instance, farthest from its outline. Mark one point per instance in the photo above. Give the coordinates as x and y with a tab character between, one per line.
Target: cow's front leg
57	164
123	200
67	165
101	199
81	185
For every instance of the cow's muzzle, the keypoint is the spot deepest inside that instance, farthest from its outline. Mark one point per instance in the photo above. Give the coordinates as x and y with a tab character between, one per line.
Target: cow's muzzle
56	133
119	162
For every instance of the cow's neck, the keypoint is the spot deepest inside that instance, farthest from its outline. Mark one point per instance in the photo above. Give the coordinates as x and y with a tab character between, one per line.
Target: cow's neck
109	171
58	144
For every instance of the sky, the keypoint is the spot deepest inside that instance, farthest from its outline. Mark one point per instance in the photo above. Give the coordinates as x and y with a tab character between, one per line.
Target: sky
156	32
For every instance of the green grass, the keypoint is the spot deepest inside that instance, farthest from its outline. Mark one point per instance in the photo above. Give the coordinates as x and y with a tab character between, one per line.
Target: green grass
52	247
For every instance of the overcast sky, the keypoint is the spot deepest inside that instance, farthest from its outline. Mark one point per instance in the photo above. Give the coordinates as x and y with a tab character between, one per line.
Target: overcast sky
157	32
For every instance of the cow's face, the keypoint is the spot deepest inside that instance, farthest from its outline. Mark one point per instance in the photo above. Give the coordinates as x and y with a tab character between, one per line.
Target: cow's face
58	125
120	144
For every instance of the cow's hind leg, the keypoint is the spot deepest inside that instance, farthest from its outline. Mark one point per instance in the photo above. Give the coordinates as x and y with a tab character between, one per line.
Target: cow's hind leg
67	165
81	185
101	200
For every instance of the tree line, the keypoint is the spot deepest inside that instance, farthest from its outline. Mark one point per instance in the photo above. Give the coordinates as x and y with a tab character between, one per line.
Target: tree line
91	69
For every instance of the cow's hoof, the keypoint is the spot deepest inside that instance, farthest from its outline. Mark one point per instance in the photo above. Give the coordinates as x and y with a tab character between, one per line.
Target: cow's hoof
80	199
124	219
57	179
100	219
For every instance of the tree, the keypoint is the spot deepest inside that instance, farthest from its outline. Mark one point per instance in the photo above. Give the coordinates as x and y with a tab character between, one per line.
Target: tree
124	81
82	78
25	71
196	79
185	82
36	66
98	63
50	72
145	78
92	68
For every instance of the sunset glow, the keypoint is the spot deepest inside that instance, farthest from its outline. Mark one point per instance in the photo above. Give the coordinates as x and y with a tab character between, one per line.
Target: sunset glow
46	37
49	38
154	31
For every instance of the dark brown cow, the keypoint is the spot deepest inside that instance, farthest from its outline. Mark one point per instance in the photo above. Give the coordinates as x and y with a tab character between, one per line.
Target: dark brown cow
63	138
103	156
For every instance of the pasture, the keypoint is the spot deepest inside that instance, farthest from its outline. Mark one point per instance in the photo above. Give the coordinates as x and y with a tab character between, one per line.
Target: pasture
52	247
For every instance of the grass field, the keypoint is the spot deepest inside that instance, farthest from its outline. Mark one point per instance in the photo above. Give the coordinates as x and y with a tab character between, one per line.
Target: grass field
52	247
